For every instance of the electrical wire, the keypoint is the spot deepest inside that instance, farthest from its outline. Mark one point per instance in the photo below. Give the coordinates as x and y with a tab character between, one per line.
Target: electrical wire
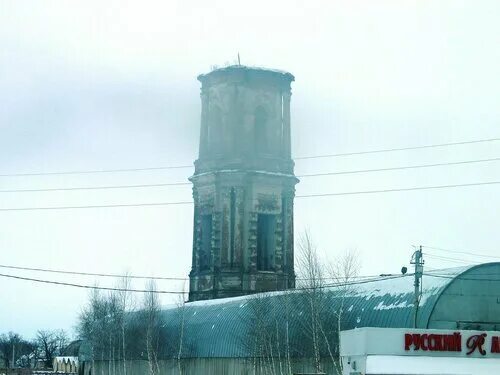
399	168
89	286
94	171
93	274
97	187
396	190
300	176
114	275
297	158
398	149
97	206
298	196
461	252
456	260
95	287
491	259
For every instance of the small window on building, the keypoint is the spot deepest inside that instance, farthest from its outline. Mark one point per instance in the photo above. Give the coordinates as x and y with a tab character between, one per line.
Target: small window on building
206	242
265	242
260	128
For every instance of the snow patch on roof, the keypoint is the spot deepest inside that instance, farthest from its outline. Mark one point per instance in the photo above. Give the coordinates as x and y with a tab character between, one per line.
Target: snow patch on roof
394	286
402	285
394	305
66	359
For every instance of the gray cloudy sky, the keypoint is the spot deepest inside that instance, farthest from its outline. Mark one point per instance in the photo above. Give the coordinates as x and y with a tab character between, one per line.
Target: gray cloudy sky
103	85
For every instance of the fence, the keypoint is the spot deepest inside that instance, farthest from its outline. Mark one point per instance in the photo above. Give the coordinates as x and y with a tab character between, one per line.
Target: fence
207	366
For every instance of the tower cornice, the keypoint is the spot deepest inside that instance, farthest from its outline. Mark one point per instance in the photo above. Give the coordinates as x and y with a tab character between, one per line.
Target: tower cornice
247	72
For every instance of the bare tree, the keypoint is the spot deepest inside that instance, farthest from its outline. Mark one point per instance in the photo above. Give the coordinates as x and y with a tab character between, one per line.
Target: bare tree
325	300
28	354
112	329
181	318
125	306
258	334
152	319
181	309
312	284
14	350
267	329
106	323
343	271
62	341
286	302
93	325
51	344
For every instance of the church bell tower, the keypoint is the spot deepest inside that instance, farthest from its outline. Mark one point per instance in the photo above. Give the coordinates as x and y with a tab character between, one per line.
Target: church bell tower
243	185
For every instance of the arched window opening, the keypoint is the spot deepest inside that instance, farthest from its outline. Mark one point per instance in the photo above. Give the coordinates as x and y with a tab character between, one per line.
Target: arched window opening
265	242
206	242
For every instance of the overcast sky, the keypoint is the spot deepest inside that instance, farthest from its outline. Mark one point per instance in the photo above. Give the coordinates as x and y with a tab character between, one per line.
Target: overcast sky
88	85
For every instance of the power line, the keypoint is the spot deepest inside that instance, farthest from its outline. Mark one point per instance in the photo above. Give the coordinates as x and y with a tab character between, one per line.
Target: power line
301	176
454	260
97	206
298	196
92	274
114	275
461	252
458	260
97	187
297	158
400	168
95	287
399	189
398	149
89	286
360	282
92	171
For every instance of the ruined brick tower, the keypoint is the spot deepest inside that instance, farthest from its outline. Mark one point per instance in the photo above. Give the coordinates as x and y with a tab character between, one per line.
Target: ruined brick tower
243	185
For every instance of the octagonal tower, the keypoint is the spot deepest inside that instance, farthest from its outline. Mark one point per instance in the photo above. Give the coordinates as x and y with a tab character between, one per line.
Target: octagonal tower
243	185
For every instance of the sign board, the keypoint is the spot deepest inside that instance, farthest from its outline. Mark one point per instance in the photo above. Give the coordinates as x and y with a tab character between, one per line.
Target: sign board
420	342
456	342
427	351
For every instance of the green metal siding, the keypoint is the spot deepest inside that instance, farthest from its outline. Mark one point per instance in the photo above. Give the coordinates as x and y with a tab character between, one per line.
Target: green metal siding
471	301
220	328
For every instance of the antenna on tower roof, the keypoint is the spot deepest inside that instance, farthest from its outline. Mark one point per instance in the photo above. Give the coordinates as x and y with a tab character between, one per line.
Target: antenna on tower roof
239	62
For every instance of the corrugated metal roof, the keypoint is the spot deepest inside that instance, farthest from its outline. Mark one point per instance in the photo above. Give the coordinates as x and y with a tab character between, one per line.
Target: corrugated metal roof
222	328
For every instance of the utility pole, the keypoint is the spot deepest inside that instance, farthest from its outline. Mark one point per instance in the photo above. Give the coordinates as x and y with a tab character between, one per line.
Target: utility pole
418	261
